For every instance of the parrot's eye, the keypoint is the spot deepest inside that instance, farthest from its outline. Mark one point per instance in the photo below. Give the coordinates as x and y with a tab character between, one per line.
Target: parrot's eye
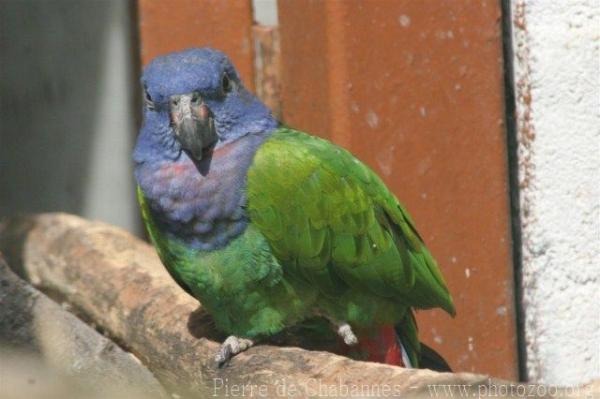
226	85
148	100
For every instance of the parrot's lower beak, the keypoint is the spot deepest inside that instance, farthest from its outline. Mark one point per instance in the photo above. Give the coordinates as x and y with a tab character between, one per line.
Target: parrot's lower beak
193	123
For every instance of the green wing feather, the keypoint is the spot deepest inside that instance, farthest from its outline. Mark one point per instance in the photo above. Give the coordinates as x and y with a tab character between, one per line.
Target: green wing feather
330	220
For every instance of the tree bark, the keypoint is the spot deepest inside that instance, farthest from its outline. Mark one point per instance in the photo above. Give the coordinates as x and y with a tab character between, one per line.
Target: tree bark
45	348
117	282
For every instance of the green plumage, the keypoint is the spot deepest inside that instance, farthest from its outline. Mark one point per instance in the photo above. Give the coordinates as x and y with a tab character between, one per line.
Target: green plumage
326	237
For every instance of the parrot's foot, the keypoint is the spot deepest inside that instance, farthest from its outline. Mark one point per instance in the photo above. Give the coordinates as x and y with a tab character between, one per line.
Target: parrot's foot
231	347
345	331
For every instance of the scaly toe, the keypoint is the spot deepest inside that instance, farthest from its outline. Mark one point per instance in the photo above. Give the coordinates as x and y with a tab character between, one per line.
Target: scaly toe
345	331
231	347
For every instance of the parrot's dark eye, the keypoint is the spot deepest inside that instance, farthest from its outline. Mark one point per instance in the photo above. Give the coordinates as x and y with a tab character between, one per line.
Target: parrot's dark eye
226	85
148	100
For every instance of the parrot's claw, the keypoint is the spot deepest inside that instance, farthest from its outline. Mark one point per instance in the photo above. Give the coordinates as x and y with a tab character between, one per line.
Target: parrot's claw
345	331
231	347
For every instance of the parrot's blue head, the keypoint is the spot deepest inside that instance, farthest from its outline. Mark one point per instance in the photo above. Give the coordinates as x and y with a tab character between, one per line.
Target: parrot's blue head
196	100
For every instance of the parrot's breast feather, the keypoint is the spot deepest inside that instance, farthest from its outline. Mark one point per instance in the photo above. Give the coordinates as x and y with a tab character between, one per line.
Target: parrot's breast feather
205	211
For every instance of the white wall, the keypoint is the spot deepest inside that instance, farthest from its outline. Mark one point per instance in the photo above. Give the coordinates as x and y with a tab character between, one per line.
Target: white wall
265	12
67	114
557	78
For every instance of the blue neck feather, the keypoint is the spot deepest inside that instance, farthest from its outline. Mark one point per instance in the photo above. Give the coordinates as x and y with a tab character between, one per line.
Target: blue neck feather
201	204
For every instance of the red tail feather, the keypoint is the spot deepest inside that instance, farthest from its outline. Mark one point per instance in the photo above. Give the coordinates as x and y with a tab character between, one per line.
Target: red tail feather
382	347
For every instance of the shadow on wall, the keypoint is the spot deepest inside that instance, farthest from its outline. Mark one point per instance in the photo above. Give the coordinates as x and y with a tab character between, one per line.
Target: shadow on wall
67	109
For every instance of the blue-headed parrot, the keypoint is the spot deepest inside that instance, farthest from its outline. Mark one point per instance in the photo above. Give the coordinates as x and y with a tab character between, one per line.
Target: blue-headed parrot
268	226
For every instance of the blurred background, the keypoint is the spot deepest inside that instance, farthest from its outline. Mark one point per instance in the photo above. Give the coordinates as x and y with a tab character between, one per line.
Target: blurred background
482	116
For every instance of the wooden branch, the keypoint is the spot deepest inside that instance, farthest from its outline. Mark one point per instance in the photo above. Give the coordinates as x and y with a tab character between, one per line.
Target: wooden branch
44	343
117	282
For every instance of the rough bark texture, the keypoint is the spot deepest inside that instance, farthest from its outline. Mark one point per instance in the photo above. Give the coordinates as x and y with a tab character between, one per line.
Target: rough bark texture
39	338
118	282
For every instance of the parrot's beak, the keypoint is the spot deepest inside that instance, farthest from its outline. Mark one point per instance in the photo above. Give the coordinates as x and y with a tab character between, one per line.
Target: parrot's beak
193	123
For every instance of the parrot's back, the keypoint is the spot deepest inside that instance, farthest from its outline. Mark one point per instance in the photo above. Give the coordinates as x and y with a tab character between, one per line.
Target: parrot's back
332	222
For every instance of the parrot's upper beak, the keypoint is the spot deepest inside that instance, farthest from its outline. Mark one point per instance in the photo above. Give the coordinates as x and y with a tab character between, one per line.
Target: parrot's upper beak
193	123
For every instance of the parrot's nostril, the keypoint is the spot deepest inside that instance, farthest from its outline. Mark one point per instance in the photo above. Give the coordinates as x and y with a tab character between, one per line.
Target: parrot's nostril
195	98
175	101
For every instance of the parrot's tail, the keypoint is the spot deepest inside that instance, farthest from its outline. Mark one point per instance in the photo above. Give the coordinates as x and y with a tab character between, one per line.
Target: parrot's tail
384	346
399	345
420	355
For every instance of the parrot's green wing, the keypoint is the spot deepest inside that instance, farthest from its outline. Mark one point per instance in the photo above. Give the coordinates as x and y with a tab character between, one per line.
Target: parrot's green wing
330	220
